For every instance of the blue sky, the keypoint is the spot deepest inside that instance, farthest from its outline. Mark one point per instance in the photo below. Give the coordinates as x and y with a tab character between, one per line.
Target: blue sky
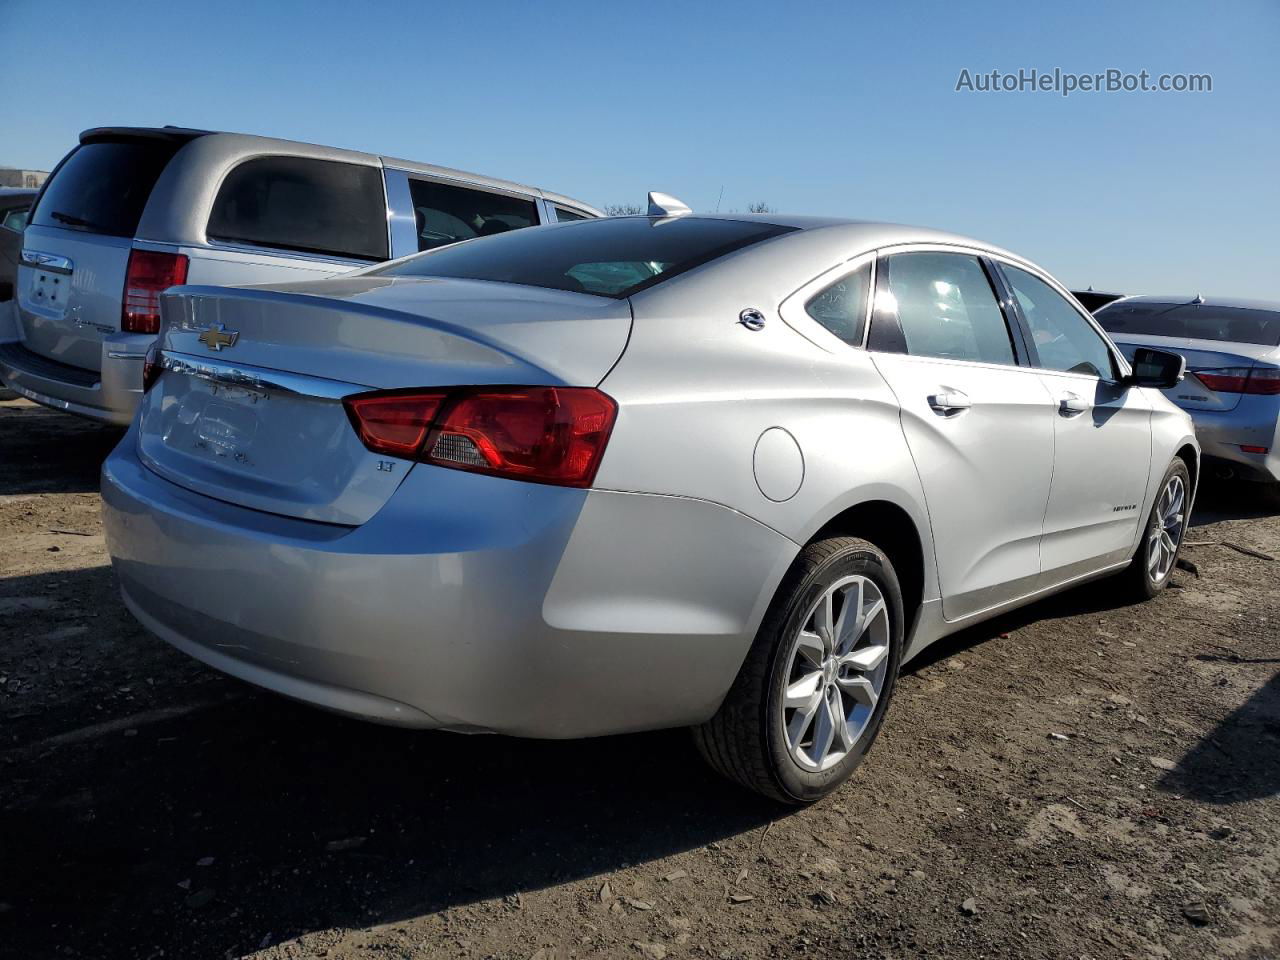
846	109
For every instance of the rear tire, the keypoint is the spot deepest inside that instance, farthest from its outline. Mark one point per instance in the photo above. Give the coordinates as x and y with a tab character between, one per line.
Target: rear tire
1157	556
811	695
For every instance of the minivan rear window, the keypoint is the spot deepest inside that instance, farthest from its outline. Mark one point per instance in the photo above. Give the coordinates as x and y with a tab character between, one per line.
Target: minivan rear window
103	187
1193	320
610	257
298	203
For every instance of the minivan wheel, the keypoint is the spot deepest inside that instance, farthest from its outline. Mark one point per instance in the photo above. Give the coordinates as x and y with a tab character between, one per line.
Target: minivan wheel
811	695
7	394
1157	555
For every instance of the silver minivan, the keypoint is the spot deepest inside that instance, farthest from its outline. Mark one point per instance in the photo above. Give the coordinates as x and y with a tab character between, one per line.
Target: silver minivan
133	210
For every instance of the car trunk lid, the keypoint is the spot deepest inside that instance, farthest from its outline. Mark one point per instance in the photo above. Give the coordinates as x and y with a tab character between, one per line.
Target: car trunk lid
1202	356
248	408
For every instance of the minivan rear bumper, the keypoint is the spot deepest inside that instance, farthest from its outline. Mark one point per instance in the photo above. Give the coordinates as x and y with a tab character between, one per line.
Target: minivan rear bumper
109	396
467	602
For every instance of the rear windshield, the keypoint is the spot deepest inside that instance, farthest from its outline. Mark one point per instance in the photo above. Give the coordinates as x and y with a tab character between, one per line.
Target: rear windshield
611	257
102	187
1192	320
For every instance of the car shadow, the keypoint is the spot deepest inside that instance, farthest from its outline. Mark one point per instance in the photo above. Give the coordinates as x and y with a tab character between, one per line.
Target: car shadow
45	451
1097	597
1240	759
1218	500
109	805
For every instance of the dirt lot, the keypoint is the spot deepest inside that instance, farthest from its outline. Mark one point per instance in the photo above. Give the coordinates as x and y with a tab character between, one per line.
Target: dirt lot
1081	780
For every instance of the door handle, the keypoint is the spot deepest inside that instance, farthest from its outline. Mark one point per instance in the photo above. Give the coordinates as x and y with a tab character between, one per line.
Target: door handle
1070	405
949	402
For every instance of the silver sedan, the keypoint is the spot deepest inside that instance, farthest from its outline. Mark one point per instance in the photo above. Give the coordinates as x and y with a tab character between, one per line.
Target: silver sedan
1232	389
724	472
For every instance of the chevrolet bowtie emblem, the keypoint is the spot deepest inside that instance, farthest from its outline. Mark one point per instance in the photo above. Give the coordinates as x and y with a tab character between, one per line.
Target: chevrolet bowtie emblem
217	337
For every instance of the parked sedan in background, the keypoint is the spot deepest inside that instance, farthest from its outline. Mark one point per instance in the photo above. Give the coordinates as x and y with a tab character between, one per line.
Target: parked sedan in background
133	210
720	471
15	202
1232	389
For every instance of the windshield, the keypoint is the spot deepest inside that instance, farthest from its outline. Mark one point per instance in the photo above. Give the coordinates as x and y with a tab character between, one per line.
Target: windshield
1196	321
613	257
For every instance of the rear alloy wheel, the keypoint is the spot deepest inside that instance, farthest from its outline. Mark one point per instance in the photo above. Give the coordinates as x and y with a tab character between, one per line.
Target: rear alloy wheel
1157	555
838	664
811	695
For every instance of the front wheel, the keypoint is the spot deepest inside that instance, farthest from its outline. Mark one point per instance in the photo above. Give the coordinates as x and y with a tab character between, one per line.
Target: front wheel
1153	565
812	693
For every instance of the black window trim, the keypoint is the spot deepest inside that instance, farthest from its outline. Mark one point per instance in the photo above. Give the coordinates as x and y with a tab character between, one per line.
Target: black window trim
1119	365
248	246
885	334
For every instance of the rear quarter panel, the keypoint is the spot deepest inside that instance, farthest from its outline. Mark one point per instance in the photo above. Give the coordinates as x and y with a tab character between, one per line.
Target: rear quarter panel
697	390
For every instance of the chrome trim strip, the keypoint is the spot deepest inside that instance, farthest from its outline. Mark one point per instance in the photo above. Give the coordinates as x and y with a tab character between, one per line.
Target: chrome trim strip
258	378
47	261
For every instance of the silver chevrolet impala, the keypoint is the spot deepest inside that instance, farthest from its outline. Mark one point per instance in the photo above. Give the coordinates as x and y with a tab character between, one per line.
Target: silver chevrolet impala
726	472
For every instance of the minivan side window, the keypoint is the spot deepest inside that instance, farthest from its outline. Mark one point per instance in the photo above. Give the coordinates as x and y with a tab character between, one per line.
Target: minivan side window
564	214
1063	338
842	307
298	203
446	213
946	308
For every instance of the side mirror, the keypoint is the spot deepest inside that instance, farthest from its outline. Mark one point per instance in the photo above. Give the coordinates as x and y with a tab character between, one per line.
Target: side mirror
1157	368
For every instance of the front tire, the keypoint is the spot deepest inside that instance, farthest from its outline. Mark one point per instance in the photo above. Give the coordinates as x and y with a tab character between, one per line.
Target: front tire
812	693
1157	557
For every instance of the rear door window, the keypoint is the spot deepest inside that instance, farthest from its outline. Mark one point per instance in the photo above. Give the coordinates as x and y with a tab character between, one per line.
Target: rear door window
103	187
446	213
303	204
946	308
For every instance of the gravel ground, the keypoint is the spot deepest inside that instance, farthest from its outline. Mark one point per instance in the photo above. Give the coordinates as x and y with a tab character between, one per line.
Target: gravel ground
1082	779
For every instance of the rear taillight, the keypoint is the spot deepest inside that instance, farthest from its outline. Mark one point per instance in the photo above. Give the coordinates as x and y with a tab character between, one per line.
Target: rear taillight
543	434
1264	381
149	272
394	424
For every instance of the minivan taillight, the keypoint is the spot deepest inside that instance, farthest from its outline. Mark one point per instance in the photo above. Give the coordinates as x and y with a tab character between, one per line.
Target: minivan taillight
1264	381
543	434
149	272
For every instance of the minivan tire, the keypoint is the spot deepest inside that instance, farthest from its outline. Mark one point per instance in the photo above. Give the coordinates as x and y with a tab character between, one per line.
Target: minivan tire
747	740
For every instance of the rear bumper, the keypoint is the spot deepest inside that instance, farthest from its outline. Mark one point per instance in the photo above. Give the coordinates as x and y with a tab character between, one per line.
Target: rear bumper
1255	421
110	395
467	602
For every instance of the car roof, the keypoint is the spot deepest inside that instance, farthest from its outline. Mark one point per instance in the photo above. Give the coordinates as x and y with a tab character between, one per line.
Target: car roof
1235	303
846	234
249	143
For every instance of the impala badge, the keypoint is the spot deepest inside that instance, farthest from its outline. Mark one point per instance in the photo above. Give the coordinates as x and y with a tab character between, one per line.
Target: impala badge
217	337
